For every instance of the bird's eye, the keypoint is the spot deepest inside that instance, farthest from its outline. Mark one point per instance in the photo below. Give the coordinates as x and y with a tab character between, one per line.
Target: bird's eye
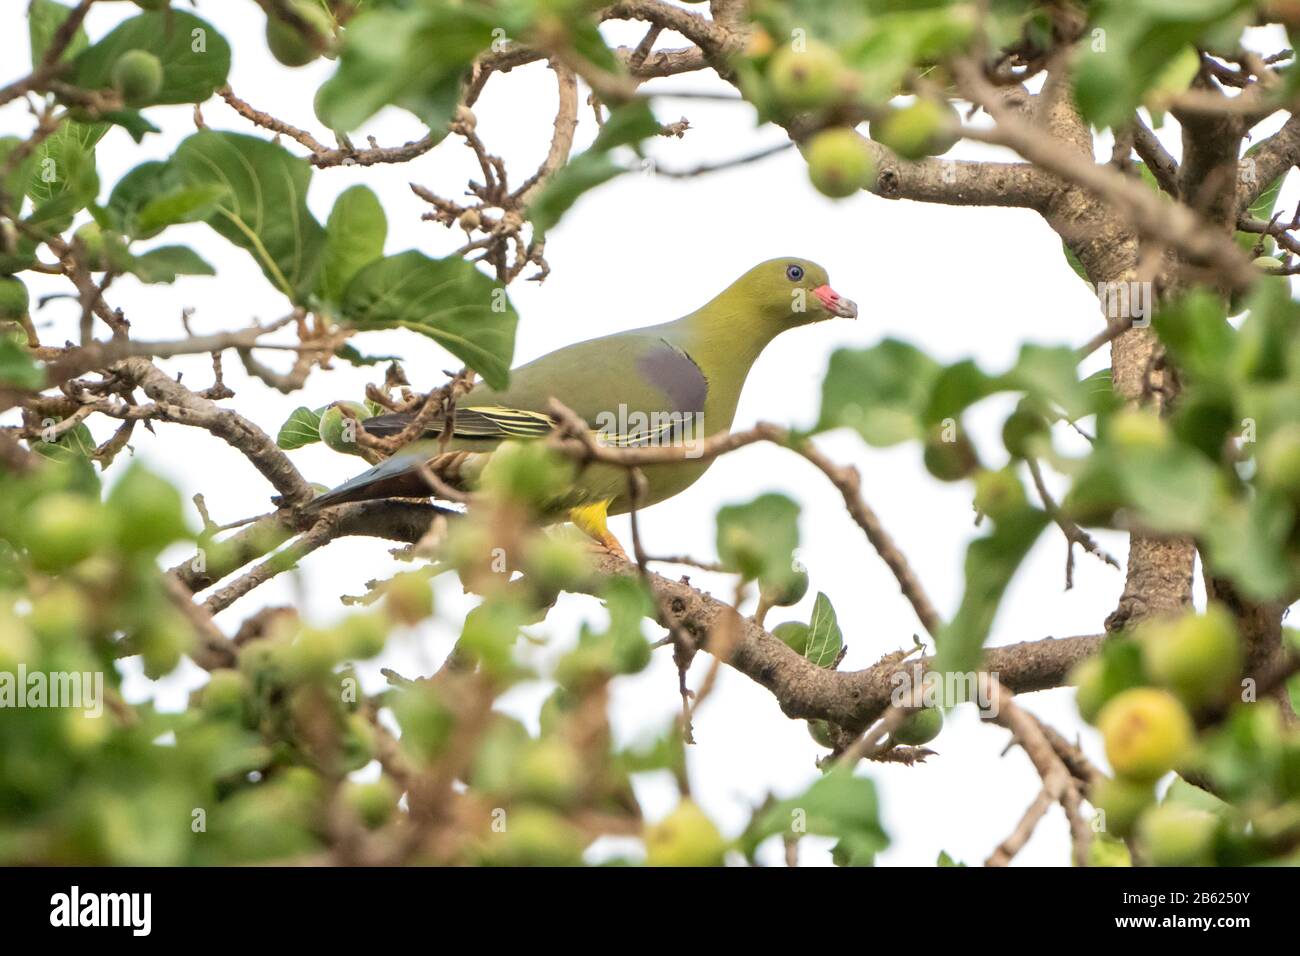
794	273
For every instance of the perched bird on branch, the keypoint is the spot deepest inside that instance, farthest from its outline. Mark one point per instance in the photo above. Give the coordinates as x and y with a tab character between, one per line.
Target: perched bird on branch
676	383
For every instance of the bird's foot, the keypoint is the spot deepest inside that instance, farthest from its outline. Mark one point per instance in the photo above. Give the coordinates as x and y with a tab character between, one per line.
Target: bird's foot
608	544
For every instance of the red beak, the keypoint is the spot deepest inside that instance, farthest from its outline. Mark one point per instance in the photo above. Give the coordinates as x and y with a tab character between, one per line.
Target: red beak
835	303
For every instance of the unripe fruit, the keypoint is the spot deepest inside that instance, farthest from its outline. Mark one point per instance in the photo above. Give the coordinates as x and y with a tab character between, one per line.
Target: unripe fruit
793	634
14	300
62	529
1135	430
999	494
550	771
226	694
788	592
820	731
149	511
1198	657
805	79
925	128
363	635
919	727
535	837
409	598
162	641
1088	677
152	4
1023	432
1122	801
1279	460
839	163
137	77
1147	733
1175	835
685	838
949	460
338	431
374	803
291	47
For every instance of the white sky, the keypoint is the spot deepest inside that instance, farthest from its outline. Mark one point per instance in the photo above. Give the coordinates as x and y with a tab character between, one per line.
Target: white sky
956	282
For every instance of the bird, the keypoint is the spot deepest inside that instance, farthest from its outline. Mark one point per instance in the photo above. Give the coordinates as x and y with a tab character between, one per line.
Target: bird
670	383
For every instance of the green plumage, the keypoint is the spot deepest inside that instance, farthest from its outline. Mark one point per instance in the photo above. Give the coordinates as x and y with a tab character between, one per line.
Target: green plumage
679	380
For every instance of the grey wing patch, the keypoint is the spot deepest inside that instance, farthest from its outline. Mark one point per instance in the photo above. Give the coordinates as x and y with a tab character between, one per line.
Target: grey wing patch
676	374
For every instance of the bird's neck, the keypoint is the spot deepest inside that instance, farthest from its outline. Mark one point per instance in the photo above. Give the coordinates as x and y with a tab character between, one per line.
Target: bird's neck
725	337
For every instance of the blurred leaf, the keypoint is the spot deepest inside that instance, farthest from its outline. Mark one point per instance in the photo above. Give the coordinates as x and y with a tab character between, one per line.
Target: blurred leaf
412	58
263	208
881	392
17	370
759	538
165	263
44	17
195	57
446	299
991	562
626	126
354	237
837	805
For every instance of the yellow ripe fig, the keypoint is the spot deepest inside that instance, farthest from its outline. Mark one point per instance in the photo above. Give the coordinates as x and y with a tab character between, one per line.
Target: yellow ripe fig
1147	733
137	77
805	77
839	163
686	837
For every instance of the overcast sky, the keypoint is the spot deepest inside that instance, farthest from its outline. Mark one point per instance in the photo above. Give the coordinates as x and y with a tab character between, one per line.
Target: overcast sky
644	249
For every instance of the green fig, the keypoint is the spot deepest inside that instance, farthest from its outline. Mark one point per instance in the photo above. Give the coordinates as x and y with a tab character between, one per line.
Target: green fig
839	163
137	76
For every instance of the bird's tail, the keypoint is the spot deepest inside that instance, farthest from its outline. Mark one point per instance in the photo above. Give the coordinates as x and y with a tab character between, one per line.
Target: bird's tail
403	476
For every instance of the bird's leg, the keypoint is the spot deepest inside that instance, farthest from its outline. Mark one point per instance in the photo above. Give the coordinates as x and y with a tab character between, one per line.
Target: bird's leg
590	520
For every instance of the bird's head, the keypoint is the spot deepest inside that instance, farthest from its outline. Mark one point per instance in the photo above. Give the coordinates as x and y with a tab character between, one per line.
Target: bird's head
790	292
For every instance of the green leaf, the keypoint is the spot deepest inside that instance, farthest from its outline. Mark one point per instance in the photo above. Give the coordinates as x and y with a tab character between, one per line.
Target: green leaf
991	562
758	539
153	196
1049	373
17	370
945	860
824	637
302	427
195	57
1247	543
44	17
353	356
412	58
881	392
446	299
625	126
354	237
63	176
837	805
165	263
263	207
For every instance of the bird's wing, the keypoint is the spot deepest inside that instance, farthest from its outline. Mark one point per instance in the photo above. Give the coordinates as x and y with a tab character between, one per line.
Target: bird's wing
627	386
631	375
